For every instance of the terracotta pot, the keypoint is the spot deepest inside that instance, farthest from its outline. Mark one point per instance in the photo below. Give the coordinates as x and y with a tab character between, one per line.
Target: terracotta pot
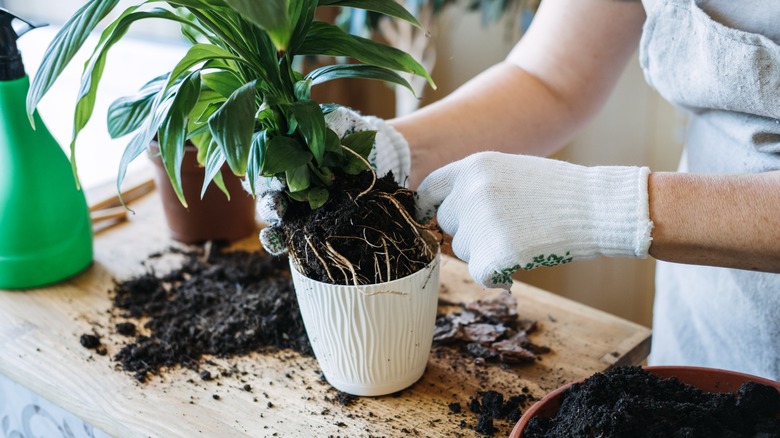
371	340
705	379
210	218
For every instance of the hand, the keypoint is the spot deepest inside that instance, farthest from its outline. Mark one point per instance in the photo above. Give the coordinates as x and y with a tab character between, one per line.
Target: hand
391	151
509	212
390	154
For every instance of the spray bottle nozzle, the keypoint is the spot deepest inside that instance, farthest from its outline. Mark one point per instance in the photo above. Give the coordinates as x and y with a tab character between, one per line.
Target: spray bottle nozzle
11	66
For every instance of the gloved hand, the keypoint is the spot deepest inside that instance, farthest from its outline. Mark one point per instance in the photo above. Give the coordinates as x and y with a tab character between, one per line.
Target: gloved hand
390	153
509	212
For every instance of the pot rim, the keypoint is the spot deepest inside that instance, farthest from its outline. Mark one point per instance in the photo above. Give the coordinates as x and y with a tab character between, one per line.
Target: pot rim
428	236
429	268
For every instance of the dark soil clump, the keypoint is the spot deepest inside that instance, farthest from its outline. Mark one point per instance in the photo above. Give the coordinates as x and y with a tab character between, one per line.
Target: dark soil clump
330	242
90	341
491	406
220	303
631	402
342	399
125	328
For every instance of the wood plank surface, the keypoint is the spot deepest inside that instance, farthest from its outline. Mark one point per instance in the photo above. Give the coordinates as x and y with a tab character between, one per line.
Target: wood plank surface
285	396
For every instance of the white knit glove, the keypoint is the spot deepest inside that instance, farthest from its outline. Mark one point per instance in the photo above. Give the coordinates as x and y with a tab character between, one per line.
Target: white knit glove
509	212
390	153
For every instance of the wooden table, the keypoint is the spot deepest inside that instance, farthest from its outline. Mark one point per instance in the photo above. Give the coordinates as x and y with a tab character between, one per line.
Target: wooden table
40	331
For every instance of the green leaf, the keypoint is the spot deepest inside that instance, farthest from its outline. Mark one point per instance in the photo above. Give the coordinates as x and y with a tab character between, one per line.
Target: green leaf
318	196
202	129
333	142
221	184
303	90
143	137
127	114
292	124
201	141
214	160
208	102
298	179
299	196
302	15
389	8
197	3
329	40
361	142
255	163
197	54
64	47
270	15
93	71
223	82
172	131
311	124
323	174
232	126
362	71
283	154
354	165
189	32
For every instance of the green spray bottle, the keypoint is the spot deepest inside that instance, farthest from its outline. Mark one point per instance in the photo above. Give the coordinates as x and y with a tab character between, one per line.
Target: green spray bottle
45	228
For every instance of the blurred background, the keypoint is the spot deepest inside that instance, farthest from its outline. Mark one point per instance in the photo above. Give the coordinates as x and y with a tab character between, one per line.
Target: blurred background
462	38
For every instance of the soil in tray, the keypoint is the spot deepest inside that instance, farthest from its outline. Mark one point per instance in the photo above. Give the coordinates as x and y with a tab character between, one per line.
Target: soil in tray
631	402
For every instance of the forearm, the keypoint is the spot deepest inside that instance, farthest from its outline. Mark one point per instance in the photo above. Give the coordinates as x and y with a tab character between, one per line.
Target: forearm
522	115
552	83
718	220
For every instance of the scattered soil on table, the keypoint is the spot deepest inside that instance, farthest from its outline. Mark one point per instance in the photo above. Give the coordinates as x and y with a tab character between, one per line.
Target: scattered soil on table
342	399
631	402
214	301
217	302
332	239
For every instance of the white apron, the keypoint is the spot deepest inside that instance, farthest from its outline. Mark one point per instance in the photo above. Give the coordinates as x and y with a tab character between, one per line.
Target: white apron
729	81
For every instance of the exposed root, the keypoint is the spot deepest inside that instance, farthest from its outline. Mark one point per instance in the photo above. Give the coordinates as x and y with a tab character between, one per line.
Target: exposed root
416	226
340	259
368	165
317	254
361	236
387	258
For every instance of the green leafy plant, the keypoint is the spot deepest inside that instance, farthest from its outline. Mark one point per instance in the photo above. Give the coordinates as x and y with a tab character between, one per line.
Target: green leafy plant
236	94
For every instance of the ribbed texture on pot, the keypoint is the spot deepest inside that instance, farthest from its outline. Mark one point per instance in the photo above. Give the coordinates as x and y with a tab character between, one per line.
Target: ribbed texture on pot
375	339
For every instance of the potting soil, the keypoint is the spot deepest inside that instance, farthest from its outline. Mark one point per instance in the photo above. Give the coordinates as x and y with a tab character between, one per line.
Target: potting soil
331	242
631	402
220	303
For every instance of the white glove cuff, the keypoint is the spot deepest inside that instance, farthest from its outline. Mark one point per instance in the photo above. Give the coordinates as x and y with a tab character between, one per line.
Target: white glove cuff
611	214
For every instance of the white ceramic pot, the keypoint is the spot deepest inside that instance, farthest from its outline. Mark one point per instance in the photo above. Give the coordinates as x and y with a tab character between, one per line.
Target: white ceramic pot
375	339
